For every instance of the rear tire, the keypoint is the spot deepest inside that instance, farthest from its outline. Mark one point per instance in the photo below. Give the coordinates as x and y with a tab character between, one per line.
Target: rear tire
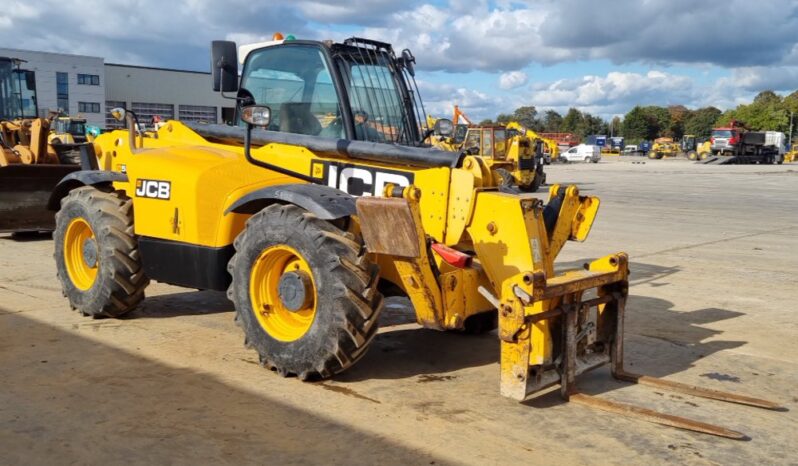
692	155
96	253
343	288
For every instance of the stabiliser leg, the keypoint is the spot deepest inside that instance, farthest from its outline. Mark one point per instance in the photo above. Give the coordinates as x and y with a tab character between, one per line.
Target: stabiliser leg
570	392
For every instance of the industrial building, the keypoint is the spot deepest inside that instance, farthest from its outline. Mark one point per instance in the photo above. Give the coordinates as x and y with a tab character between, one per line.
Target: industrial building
89	87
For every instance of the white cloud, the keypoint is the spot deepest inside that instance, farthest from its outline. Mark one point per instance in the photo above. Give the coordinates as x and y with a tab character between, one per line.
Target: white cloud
616	92
758	78
512	80
440	99
755	41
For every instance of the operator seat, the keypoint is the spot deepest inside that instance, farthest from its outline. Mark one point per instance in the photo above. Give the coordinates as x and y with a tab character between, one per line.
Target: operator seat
295	117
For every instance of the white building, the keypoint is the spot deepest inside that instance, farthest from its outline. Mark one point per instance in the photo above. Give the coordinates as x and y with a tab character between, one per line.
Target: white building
168	93
89	87
74	84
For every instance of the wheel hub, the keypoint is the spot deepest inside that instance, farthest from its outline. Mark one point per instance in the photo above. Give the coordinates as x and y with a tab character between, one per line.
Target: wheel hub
89	250
295	290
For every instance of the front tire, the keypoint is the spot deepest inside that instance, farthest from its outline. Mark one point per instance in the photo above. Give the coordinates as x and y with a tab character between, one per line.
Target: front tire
96	253
335	317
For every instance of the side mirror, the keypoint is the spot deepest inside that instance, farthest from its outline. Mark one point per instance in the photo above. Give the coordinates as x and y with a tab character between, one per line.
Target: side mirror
224	66
118	113
443	127
256	115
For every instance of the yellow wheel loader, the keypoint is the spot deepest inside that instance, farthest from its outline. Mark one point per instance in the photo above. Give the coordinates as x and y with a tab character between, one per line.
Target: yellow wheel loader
513	157
695	149
67	130
304	220
29	167
662	148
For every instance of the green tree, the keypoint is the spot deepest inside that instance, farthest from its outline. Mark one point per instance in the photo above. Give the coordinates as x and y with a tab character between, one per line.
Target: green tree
677	114
592	125
504	118
486	122
791	105
527	116
571	121
768	112
645	123
552	121
636	124
616	126
700	122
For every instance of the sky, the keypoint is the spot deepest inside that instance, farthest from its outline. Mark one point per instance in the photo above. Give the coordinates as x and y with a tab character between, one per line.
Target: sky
489	57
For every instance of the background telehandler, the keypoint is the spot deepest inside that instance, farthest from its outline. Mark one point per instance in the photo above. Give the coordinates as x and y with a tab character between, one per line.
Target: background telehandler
306	223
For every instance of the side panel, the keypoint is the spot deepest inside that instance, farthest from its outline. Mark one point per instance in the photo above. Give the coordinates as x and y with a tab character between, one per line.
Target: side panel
186	265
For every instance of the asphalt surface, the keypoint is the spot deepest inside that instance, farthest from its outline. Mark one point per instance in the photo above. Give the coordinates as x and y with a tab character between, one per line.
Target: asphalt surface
714	254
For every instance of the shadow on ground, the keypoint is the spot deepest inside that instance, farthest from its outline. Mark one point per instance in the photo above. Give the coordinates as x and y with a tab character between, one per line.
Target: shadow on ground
26	236
67	399
186	303
402	350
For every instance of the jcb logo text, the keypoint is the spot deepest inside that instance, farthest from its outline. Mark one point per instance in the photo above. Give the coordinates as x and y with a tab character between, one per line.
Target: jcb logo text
153	189
363	181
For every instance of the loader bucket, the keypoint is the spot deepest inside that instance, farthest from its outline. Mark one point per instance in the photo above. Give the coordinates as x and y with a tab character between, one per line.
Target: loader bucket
24	192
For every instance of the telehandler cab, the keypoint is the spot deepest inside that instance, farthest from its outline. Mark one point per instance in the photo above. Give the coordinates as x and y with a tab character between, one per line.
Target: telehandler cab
305	212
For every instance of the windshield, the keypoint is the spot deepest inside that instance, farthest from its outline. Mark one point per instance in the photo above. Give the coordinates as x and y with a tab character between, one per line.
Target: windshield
295	83
17	92
384	105
721	133
375	101
77	127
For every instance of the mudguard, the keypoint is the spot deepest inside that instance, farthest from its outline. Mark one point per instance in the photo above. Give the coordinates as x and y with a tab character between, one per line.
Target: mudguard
81	178
323	201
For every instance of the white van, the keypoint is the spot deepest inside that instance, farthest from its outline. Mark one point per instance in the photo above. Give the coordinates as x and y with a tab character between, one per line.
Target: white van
582	153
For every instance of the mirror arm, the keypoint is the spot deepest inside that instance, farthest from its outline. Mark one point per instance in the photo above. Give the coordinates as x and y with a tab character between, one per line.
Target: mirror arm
221	65
132	121
278	169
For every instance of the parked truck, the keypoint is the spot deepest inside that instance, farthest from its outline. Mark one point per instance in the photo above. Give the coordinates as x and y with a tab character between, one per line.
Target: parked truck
735	144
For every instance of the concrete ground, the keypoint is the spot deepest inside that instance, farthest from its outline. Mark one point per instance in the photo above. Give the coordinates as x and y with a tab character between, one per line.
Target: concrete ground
714	254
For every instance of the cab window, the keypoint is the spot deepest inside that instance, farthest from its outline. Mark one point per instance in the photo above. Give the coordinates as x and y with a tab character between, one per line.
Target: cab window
501	142
295	82
487	142
472	140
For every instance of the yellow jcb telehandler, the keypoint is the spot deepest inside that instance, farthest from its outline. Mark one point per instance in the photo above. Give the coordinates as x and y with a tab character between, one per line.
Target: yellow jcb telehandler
304	223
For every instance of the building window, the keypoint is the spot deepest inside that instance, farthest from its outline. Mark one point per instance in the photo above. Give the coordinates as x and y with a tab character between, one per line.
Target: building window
62	90
110	121
145	111
89	79
88	107
199	113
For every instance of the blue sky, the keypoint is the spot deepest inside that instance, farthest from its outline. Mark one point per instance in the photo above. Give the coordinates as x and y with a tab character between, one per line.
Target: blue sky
487	56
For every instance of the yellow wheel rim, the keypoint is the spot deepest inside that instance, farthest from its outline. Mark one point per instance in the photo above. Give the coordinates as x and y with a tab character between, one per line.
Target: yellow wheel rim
274	317
81	262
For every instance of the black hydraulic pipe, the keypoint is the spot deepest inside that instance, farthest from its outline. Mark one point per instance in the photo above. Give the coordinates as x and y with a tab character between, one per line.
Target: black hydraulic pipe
361	150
